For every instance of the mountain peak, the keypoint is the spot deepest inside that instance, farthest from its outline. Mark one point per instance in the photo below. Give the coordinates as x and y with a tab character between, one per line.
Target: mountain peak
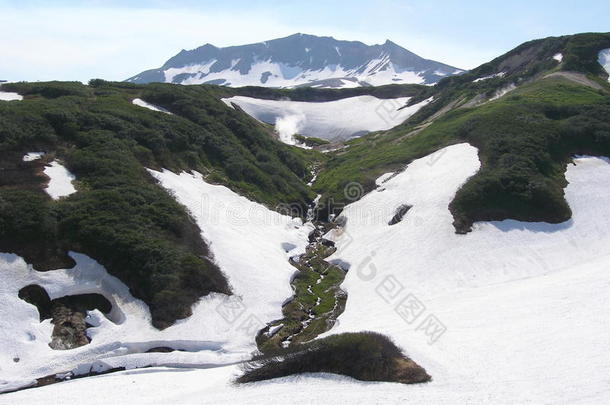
298	60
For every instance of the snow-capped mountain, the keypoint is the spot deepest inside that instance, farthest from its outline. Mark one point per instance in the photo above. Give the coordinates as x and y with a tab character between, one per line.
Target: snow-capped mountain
299	60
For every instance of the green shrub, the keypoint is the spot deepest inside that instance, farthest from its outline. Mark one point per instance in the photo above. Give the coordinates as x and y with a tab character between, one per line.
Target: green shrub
365	356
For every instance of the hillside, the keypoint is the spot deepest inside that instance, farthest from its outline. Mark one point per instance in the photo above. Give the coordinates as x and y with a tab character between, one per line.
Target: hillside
462	242
527	112
119	216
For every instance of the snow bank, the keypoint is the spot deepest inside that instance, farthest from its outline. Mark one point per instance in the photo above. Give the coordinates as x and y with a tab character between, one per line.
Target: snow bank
30	157
141	103
60	184
480	79
523	304
502	304
248	242
604	60
332	120
9	96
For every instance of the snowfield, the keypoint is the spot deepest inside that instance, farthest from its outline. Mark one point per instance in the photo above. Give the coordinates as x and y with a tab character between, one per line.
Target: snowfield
10	96
510	313
604	60
272	74
331	120
141	103
251	244
60	183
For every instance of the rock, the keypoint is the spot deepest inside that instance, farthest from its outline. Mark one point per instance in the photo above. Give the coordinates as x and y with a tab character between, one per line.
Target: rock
401	211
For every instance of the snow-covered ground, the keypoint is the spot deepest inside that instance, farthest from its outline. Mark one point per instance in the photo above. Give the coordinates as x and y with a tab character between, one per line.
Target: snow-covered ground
377	72
331	120
60	183
10	96
604	60
141	103
31	156
480	79
510	313
251	244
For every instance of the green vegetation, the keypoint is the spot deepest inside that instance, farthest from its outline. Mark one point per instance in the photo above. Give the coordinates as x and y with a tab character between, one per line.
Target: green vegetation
120	216
311	141
525	139
323	94
316	304
365	356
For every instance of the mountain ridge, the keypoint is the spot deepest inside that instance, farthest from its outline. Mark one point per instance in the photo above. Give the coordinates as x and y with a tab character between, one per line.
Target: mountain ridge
298	60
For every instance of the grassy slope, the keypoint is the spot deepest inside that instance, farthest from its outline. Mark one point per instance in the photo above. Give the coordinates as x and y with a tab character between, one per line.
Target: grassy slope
525	138
120	216
322	94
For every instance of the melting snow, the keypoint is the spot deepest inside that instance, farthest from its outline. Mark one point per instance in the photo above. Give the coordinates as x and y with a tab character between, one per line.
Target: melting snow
141	103
511	297
330	120
30	157
247	241
523	304
60	183
9	96
480	79
604	60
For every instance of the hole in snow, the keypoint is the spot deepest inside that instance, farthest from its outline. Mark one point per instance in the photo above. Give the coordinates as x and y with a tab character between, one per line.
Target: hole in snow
68	314
288	246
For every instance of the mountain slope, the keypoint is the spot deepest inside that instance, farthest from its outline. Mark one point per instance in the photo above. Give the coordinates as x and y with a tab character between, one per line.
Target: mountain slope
298	60
528	116
119	216
517	287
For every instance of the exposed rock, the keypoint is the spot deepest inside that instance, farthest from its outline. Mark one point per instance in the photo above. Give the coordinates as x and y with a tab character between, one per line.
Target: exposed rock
401	211
67	313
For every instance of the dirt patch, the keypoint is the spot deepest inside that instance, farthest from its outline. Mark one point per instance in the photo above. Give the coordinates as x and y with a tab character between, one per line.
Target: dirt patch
576	77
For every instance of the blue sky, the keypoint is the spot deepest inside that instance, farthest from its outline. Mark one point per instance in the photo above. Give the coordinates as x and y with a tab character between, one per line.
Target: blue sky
78	40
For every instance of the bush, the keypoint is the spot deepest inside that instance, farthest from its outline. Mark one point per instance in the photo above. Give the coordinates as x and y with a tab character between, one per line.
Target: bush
365	356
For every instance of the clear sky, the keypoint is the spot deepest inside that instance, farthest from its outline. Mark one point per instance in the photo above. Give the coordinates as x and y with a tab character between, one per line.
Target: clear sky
111	39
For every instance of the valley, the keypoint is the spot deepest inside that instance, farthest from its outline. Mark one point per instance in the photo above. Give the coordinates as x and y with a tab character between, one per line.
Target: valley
442	240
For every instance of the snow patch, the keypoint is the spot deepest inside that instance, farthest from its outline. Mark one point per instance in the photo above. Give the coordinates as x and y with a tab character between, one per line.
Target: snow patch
604	60
332	120
60	183
480	79
141	103
30	157
248	242
10	96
